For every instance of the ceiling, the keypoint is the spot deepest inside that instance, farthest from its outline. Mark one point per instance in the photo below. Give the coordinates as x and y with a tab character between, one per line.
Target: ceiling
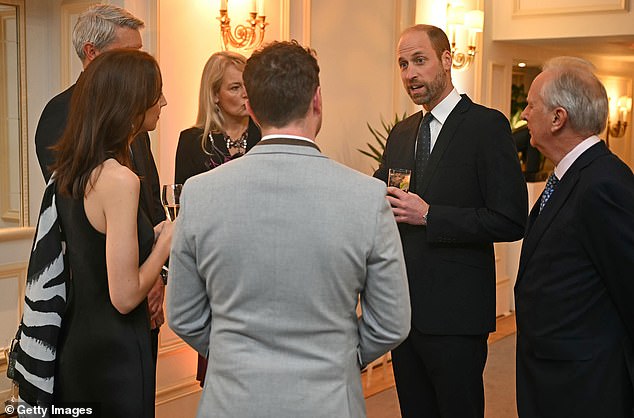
619	48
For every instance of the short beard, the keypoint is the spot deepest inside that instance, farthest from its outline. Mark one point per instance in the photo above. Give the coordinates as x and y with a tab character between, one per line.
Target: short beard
433	90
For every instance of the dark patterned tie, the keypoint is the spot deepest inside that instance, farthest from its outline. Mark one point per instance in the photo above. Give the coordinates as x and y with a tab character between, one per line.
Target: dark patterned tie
551	183
423	147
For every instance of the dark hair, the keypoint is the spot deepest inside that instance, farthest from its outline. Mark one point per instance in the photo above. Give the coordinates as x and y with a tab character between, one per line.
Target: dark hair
437	37
107	110
281	79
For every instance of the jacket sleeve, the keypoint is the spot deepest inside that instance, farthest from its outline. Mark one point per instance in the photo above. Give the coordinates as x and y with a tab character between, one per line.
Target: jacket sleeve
385	305
49	130
607	213
188	310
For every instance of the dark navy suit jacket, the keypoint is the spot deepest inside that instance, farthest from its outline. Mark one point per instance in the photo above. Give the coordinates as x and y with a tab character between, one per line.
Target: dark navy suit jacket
574	295
477	195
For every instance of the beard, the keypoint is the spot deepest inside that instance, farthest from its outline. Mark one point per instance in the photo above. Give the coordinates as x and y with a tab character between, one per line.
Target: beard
430	92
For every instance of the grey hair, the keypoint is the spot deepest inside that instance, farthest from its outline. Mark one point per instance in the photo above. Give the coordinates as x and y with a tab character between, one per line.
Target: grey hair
97	25
577	89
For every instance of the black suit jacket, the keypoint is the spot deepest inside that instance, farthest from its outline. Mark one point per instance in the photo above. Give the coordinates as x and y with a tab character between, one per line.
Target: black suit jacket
574	295
477	196
50	129
192	160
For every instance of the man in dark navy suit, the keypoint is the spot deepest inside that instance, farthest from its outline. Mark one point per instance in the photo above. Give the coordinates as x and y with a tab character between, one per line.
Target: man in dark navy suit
467	192
100	28
575	284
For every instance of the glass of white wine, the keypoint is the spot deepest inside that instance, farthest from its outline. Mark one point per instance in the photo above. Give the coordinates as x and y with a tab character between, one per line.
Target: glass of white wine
171	199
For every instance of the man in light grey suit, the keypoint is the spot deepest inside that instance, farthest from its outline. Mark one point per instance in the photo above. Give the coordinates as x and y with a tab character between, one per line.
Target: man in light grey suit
270	255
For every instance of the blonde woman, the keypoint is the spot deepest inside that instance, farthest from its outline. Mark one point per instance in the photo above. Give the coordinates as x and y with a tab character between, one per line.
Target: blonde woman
223	129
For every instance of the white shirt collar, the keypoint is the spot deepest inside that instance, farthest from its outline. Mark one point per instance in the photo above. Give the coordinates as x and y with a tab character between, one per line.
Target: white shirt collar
442	110
265	137
572	156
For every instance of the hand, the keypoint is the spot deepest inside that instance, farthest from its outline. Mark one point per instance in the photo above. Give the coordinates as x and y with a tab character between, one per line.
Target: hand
158	228
407	207
155	304
163	234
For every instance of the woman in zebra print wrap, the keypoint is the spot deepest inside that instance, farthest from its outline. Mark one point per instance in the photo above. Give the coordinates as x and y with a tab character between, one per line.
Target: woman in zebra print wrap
103	357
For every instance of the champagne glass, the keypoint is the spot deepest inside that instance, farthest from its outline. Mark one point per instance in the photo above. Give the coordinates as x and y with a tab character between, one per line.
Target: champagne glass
171	199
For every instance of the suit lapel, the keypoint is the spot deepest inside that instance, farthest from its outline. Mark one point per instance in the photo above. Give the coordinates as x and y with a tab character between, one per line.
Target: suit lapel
538	223
402	145
447	134
409	144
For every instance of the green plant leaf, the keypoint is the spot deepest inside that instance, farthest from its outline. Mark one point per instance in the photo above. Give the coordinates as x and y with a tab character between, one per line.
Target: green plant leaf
380	137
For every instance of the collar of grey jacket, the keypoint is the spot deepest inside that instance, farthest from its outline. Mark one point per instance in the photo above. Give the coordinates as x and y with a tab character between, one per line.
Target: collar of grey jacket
289	141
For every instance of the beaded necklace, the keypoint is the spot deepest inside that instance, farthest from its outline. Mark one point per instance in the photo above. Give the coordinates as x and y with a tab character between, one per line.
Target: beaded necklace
240	144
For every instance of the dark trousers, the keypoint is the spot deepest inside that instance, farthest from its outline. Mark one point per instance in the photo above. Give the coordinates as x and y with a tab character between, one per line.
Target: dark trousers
154	334
440	375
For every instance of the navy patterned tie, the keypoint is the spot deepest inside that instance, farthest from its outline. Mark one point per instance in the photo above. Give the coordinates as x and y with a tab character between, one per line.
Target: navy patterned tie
551	183
423	147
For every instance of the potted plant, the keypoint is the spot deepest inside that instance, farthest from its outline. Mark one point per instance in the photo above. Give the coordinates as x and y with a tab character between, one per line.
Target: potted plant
377	147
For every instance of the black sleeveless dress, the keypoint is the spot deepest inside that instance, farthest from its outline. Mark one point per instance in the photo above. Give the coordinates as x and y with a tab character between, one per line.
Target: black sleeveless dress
103	357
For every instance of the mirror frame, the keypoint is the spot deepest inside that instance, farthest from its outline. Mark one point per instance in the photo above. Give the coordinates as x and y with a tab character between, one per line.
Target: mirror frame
24	154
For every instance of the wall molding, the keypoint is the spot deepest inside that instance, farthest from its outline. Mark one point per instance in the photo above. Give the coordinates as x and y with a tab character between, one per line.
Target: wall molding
14	271
69	14
177	391
18	233
498	84
285	20
550	7
306	19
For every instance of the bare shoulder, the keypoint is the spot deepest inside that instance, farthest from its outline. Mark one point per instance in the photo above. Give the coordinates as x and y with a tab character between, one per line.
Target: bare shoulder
114	179
114	192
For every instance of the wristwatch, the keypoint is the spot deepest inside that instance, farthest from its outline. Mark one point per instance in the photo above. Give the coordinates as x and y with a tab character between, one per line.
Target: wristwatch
164	272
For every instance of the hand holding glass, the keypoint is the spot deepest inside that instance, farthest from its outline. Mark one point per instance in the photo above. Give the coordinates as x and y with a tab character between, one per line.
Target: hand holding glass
399	177
171	199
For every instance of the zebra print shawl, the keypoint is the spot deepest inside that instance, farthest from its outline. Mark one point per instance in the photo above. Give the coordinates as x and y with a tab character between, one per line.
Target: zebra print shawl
44	306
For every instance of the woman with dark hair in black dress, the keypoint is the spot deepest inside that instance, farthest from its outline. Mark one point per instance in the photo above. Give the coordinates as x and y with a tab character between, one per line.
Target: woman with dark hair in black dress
114	254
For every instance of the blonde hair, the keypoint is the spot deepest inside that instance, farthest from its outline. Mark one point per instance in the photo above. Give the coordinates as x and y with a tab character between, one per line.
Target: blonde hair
209	118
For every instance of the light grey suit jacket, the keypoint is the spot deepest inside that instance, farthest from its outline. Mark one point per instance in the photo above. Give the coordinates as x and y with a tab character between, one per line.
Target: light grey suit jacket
269	256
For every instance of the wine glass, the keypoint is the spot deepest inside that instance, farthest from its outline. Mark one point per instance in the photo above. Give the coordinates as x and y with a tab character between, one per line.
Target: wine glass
171	199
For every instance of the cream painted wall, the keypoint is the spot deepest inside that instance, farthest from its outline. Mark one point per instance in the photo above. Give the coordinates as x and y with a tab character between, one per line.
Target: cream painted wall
356	51
182	55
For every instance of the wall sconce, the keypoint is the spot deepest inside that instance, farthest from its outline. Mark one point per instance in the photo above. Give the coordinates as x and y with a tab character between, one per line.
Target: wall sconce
619	111
243	36
460	20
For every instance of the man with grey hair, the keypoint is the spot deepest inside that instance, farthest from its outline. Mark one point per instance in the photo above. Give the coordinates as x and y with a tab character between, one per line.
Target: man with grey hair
575	284
100	28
